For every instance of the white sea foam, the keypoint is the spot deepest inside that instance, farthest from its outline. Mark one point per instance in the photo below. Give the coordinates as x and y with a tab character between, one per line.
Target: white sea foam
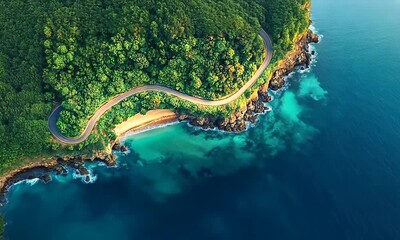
313	28
92	179
272	95
269	107
101	164
62	178
92	176
29	182
200	128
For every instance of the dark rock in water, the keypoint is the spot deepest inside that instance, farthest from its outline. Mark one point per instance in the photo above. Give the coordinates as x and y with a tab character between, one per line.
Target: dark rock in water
312	52
253	119
123	148
314	38
60	170
45	178
263	94
308	61
116	146
259	107
110	160
302	68
82	170
87	178
240	126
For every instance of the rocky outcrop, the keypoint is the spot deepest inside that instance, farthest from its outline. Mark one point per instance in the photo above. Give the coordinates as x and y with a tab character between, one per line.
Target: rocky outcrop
43	169
123	148
236	123
300	57
116	146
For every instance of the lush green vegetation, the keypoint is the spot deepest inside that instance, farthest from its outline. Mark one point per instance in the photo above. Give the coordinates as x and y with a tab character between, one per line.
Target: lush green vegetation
24	102
91	59
81	53
283	20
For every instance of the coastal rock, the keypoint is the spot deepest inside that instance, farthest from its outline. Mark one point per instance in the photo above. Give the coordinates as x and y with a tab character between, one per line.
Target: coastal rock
182	117
60	170
116	146
207	122
250	106
81	170
198	122
237	121
123	148
253	118
46	178
79	159
314	38
259	106
299	57
277	83
223	122
110	160
263	94
42	169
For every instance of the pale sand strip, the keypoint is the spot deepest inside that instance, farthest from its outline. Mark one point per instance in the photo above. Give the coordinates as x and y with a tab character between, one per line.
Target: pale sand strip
139	121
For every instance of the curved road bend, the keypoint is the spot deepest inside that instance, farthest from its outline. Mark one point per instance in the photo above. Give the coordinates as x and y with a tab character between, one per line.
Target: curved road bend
104	108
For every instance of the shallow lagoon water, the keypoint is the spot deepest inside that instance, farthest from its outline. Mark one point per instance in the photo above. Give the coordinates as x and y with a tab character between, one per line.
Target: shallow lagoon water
323	164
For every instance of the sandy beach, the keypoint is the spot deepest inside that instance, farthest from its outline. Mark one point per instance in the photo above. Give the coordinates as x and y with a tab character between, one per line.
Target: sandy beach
139	121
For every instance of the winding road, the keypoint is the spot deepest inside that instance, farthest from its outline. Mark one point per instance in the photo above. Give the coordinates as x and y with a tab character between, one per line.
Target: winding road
52	121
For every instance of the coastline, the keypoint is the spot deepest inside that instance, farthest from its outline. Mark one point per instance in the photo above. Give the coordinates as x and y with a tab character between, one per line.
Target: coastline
300	56
42	169
139	122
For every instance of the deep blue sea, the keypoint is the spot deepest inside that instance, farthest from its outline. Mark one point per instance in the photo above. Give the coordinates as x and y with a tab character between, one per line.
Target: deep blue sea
323	164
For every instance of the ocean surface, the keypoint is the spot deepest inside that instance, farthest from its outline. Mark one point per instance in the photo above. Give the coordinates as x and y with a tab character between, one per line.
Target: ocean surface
323	164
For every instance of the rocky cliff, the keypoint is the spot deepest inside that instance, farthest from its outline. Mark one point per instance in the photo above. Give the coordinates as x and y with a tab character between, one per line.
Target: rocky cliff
58	165
299	57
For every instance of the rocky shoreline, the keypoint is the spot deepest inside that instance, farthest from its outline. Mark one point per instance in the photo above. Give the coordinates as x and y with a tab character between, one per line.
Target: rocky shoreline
58	165
300	57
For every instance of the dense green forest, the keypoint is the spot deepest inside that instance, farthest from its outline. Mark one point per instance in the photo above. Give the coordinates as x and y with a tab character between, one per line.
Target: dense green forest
81	53
91	59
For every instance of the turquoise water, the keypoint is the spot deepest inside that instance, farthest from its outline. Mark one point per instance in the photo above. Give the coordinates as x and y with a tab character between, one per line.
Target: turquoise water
323	164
